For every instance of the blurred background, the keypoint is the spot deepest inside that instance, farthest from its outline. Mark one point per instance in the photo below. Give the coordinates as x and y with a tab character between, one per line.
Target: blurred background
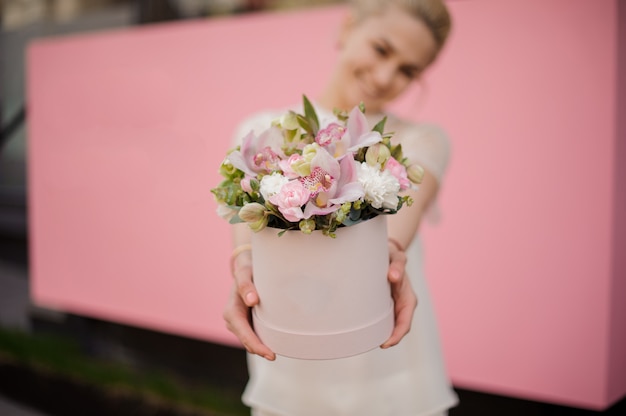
58	363
25	20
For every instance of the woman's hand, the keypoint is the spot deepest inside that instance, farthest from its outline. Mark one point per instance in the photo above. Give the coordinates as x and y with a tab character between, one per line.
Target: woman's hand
402	293
242	297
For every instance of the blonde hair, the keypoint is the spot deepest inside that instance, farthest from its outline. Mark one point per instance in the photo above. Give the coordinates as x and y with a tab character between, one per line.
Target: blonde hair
433	13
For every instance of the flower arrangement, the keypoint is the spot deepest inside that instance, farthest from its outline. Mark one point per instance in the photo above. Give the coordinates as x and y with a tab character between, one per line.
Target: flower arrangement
298	174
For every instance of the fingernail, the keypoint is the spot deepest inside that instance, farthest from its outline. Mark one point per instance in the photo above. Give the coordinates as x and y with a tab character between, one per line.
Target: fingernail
250	298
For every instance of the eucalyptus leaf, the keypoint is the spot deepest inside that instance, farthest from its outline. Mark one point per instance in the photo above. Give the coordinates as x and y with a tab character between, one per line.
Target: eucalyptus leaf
355	214
349	222
235	219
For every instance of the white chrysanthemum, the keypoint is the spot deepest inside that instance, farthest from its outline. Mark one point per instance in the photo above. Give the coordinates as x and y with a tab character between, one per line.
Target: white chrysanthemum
271	184
381	187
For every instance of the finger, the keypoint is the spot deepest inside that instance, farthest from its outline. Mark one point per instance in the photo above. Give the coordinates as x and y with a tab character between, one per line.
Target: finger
402	326
249	339
237	321
397	263
245	286
405	303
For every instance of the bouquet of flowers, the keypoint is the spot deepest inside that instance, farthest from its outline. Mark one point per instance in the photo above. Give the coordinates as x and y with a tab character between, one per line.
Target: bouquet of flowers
298	174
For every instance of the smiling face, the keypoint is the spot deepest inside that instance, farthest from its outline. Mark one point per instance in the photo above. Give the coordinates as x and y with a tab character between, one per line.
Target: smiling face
379	57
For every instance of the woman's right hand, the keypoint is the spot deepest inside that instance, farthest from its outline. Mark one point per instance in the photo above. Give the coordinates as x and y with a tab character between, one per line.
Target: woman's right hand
244	296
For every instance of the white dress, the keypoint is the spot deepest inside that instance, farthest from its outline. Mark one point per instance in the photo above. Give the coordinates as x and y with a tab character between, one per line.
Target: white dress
408	379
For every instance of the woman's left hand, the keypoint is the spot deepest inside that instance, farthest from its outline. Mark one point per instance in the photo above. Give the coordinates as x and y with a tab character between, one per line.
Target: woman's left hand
404	298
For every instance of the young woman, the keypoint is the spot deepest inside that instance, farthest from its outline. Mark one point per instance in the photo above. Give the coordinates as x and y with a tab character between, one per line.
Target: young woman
384	47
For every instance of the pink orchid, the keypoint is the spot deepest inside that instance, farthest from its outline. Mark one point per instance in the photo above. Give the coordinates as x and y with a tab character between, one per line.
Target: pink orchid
332	183
259	154
330	134
290	199
357	135
398	170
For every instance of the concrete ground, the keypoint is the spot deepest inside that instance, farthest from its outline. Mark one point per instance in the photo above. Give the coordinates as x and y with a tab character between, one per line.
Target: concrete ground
11	408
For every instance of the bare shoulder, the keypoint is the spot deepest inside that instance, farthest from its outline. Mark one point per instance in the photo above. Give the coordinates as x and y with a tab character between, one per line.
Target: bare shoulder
256	122
408	130
425	143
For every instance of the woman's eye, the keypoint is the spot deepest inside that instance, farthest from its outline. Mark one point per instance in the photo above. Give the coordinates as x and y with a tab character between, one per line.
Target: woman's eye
380	50
409	73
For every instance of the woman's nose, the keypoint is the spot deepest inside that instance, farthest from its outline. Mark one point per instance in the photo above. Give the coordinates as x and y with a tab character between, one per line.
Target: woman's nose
383	76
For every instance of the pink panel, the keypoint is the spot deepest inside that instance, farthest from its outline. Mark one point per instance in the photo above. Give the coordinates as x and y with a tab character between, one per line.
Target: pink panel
521	265
127	129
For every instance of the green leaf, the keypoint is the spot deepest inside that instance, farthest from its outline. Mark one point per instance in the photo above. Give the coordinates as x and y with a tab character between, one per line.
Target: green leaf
309	113
236	220
305	124
380	126
396	152
355	214
349	222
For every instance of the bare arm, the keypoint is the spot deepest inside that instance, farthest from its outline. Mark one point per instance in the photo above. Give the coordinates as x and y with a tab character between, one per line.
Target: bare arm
404	225
402	228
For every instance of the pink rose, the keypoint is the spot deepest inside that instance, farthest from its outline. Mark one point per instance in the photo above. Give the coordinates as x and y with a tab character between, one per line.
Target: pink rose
290	199
398	170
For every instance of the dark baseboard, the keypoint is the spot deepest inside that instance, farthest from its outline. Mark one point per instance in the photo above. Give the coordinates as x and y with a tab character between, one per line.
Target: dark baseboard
473	403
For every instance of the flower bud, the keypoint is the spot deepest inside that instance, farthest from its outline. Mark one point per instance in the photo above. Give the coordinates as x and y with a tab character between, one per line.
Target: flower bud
289	121
252	212
340	216
246	185
377	154
307	226
258	225
302	166
415	173
227	168
255	185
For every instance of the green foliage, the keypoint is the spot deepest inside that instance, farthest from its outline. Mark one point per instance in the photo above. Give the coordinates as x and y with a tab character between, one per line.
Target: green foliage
64	358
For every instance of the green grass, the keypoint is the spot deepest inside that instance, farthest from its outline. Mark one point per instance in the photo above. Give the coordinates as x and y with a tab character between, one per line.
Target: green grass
63	357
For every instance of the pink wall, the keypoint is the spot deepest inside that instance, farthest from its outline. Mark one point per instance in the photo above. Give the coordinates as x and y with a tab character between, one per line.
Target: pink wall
127	129
522	265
